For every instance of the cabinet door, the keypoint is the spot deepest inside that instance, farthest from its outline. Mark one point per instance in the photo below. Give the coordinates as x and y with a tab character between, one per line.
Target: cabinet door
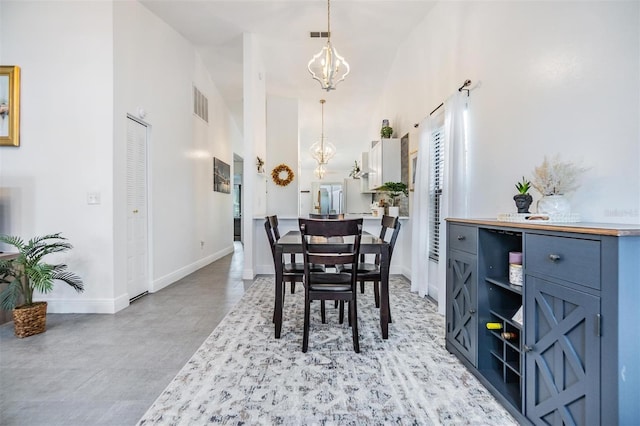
462	300
375	166
562	358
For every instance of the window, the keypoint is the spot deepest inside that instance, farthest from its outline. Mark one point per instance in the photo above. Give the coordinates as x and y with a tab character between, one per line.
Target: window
436	159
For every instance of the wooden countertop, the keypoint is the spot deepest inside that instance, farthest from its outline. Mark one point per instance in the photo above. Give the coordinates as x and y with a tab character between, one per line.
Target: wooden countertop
613	229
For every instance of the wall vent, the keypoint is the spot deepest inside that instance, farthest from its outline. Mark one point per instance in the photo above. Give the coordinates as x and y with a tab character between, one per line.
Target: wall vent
200	104
319	34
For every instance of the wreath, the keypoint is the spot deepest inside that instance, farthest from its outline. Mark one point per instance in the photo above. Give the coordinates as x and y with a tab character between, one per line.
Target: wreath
277	172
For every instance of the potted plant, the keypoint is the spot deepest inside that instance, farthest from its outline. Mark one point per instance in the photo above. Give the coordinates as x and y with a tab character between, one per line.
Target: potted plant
355	171
395	191
386	132
260	165
523	199
28	272
554	179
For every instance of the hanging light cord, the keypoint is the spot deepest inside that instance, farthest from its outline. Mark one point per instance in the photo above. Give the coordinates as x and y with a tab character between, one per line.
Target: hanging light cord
329	21
322	101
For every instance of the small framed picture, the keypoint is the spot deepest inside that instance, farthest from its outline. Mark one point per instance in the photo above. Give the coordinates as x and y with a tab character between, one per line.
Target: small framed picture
221	176
413	162
9	106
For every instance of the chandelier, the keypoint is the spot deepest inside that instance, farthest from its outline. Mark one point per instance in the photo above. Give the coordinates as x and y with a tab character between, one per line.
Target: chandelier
320	171
322	151
327	66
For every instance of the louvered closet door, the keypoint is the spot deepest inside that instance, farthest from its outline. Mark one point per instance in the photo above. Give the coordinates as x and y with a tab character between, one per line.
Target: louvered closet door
562	354
137	280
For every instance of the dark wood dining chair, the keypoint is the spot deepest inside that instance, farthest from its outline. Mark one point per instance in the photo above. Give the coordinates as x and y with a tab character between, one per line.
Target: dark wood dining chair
292	271
370	272
323	243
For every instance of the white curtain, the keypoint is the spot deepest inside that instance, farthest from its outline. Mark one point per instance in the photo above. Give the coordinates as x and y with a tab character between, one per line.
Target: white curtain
454	198
420	213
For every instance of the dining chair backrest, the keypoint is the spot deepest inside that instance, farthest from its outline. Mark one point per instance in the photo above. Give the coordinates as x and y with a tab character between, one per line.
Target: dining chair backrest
390	222
270	234
339	216
323	241
273	221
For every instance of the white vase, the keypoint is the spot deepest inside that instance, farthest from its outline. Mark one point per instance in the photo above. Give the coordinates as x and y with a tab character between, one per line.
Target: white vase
554	205
394	211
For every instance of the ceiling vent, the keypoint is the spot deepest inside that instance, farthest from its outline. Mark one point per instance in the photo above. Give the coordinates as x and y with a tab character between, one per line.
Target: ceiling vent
319	34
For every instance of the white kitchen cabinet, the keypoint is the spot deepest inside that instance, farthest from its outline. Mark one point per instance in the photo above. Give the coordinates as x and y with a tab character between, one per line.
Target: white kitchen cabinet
384	162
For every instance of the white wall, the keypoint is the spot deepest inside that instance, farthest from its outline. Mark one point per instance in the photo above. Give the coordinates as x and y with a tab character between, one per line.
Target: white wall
282	148
191	225
254	133
65	52
549	78
85	65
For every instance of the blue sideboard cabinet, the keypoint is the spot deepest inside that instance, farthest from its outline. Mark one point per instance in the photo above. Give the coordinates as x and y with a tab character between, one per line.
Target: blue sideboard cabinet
574	357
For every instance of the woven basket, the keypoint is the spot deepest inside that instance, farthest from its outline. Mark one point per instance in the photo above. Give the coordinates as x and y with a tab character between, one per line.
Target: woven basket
30	320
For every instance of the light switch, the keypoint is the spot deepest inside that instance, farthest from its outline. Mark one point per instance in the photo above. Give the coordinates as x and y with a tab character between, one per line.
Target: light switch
93	198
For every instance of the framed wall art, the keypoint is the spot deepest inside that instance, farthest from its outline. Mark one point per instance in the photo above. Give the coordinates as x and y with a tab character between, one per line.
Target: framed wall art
9	105
221	176
413	161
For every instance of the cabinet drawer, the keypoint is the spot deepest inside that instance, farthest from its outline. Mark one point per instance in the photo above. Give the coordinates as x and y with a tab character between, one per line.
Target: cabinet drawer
463	238
569	259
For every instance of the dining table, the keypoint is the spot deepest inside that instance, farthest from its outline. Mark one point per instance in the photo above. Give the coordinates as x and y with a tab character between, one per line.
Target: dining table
291	242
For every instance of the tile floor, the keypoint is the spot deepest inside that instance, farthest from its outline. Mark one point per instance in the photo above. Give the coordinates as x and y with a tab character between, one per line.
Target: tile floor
91	369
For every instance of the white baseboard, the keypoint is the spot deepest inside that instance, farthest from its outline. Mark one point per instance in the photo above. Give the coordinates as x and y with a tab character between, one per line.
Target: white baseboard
84	306
248	274
171	278
111	306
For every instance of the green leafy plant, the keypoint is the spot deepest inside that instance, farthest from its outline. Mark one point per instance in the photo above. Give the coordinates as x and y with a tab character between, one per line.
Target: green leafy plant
395	190
524	186
386	131
28	272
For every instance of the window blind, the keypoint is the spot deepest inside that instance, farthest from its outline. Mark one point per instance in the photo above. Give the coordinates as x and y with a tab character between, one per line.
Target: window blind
436	158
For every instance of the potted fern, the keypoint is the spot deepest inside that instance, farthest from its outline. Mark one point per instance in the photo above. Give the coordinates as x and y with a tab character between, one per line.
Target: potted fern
28	272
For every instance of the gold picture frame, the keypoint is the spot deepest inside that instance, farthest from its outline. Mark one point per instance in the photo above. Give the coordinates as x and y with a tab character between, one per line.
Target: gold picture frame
413	161
9	105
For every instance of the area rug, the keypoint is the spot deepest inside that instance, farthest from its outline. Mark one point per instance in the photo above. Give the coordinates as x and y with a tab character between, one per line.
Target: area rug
243	375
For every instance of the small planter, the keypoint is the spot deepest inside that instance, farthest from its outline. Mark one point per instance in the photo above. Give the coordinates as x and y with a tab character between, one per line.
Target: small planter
30	319
394	211
523	201
554	205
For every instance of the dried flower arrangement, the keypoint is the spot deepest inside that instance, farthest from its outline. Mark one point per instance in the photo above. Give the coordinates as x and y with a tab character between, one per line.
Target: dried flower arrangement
555	177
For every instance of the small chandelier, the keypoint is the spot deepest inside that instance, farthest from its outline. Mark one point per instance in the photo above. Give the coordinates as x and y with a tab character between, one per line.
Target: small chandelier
322	151
320	171
327	66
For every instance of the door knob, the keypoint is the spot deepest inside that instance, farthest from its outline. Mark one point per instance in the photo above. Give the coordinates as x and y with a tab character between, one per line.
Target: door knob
554	257
460	237
527	348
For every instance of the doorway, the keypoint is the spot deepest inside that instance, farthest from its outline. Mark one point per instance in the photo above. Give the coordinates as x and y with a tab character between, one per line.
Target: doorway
327	197
238	164
137	226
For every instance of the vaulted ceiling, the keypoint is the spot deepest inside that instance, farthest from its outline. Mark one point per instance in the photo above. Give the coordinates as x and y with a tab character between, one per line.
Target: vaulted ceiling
366	32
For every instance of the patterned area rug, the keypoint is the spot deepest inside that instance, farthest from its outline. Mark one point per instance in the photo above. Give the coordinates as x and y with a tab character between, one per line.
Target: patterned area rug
243	375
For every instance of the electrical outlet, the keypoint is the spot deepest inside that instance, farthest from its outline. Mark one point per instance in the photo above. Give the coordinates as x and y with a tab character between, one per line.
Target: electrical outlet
201	244
93	198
